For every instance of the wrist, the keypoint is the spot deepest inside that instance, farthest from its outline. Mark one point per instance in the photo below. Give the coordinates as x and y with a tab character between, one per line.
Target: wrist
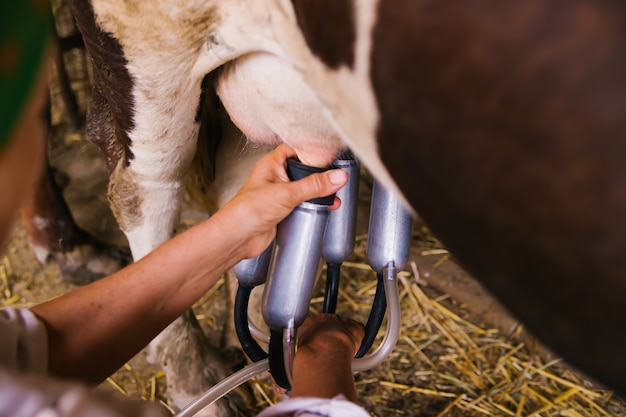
229	226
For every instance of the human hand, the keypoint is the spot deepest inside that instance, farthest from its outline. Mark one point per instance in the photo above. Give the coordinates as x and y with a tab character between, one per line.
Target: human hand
331	332
268	196
327	344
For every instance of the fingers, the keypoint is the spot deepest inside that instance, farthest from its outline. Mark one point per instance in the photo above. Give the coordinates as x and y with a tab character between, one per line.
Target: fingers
336	204
279	158
317	185
353	327
270	196
284	151
272	167
356	329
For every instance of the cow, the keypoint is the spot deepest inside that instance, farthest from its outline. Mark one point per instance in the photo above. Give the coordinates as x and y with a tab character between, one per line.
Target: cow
54	235
502	124
47	220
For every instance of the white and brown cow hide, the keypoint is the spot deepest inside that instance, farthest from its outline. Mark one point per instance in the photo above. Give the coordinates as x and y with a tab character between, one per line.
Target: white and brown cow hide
502	123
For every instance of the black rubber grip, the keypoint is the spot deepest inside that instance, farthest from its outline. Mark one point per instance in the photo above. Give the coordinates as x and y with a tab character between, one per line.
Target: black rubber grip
296	170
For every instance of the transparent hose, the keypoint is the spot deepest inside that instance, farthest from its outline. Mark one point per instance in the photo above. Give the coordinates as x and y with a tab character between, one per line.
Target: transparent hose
223	388
258	334
393	325
363	364
289	351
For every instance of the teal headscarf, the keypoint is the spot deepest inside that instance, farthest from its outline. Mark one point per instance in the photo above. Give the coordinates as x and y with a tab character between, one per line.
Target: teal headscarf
24	31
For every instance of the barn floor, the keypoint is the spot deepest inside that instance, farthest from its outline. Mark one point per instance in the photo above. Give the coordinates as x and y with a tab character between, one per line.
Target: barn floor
458	355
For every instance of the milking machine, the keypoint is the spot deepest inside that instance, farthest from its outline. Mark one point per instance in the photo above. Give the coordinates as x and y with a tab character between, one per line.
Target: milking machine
289	268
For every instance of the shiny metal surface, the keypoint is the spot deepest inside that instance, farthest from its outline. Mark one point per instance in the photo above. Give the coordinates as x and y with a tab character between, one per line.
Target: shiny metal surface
294	266
341	229
253	272
389	237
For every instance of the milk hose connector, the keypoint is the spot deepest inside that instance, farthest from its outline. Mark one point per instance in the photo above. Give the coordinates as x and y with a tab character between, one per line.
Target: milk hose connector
387	249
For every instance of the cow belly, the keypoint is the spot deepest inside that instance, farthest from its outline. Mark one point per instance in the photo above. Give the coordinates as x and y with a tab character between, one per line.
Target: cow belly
269	101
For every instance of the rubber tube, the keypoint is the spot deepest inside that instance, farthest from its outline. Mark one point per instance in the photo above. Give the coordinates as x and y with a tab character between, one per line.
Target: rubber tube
393	325
277	360
223	388
248	344
375	319
333	270
362	364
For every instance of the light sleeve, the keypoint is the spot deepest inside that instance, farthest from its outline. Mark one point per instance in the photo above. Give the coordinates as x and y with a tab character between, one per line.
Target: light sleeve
23	341
338	406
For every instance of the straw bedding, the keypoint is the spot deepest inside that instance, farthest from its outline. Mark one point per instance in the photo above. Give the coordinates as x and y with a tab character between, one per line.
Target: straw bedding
459	353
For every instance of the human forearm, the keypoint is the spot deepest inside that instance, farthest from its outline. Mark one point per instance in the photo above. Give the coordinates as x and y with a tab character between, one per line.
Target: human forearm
93	330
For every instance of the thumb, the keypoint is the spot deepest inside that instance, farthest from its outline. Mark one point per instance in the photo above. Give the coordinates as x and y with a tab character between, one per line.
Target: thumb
318	185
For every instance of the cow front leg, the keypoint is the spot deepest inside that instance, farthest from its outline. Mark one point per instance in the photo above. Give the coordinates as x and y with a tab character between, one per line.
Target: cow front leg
146	194
146	209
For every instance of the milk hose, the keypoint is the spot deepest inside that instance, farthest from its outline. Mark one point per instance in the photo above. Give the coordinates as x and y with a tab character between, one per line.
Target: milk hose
375	319
242	327
363	364
393	324
223	388
277	354
333	270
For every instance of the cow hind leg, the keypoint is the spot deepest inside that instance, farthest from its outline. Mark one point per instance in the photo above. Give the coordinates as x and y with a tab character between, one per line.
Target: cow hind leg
55	236
147	203
193	365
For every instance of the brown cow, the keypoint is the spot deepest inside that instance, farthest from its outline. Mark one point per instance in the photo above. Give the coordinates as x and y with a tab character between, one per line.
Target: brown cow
502	123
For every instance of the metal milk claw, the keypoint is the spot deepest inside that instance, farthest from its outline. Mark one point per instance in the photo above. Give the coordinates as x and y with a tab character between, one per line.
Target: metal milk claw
301	239
307	235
